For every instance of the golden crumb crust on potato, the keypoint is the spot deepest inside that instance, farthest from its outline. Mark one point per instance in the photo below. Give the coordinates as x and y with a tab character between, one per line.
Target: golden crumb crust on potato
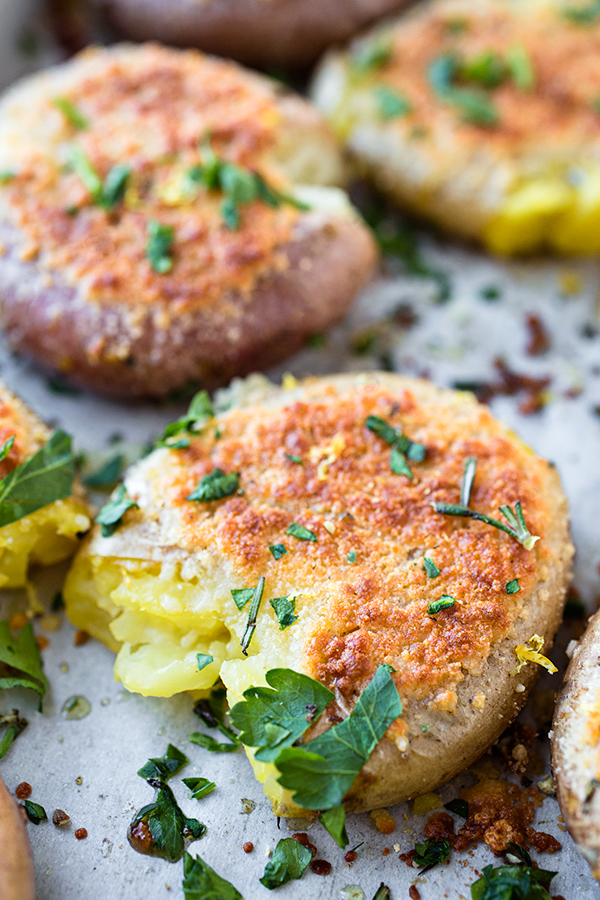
576	745
482	115
306	457
154	110
17	420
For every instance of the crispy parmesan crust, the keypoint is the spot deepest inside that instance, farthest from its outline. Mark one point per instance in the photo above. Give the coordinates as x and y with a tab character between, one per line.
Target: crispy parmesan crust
453	671
79	292
16	419
260	32
576	745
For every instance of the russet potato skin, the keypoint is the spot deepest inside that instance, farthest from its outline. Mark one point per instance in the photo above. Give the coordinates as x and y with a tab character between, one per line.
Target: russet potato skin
78	290
258	32
575	739
16	863
159	588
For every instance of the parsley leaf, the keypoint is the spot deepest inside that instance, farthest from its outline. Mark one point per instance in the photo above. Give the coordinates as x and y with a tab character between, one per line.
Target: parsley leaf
112	512
212	712
372	55
115	183
445	602
215	486
14	725
72	114
458	807
200	882
430	567
277	550
520	67
107	475
271	718
176	434
200	787
161	768
285	610
486	68
512	883
383	892
583	15
252	616
242	596
321	772
42	479
35	812
512	587
290	860
391	104
294	458
209	743
516	528
20	661
204	660
159	246
167	824
351	558
300	532
475	106
431	852
334	821
107	193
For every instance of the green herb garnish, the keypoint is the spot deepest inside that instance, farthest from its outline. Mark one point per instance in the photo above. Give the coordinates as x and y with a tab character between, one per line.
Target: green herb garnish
274	717
20	661
512	883
516	528
5	177
351	558
167	824
334	821
204	660
176	435
321	772
112	513
383	892
212	712
512	586
285	610
242	596
491	292
583	15
115	183
200	787
42	479
107	193
402	447
14	725
391	104
200	882
160	246
372	55
445	602
107	475
475	106
209	743
163	767
458	807
487	69
277	550
290	861
469	467
430	567
300	532
430	853
520	67
35	812
252	616
72	114
215	486
293	458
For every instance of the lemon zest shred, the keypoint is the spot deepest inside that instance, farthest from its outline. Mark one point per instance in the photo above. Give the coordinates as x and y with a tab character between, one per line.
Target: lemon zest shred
530	652
327	455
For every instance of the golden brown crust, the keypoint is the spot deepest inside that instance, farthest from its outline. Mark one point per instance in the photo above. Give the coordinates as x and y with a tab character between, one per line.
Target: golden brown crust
18	421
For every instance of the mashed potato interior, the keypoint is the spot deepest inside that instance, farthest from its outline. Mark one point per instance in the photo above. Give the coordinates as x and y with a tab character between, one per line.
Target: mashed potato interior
44	538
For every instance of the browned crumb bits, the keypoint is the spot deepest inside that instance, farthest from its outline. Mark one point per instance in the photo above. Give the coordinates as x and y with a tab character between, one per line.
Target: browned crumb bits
302	838
60	817
413	893
17	621
386	851
81	834
350	856
320	867
80	638
42	641
248	847
23	790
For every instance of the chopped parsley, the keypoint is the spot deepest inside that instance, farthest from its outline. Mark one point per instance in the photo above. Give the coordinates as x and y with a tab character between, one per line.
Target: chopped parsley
491	292
293	458
516	528
72	114
383	892
105	193
209	743
107	475
403	448
277	550
520	67
583	15
430	567
458	807
372	55
321	772
162	768
159	247
351	558
512	883
512	587
289	861
474	105
35	812
176	435
215	486
211	711
487	69
200	787
469	467
430	853
204	660
5	177
242	596
285	610
111	515
167	824
14	726
252	616
274	717
301	533
445	602
40	480
200	881
20	662
391	104
334	821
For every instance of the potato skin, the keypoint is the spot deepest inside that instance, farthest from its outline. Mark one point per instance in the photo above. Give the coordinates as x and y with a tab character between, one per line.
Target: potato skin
16	864
78	290
259	32
575	739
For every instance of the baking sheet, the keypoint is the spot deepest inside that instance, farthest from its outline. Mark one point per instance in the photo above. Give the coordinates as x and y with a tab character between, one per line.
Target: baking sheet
87	767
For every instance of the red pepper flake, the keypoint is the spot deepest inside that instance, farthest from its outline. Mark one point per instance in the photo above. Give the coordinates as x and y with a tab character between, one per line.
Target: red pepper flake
350	856
60	818
80	638
248	847
42	641
386	851
81	834
539	339
302	838
320	867
413	893
23	790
